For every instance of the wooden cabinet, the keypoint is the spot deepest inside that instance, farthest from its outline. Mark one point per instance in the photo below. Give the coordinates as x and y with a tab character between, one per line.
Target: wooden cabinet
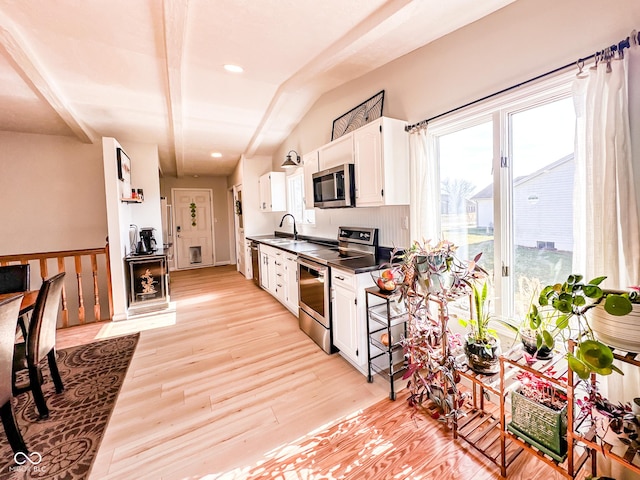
272	192
310	166
349	315
338	152
381	156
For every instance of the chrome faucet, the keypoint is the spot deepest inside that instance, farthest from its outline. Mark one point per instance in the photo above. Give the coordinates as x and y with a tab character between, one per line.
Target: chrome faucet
295	232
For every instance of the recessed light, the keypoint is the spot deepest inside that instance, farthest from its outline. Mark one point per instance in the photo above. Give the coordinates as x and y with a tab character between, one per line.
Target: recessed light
196	176
233	68
216	155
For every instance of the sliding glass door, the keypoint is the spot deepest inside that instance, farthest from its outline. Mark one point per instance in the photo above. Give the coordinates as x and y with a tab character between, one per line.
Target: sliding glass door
506	190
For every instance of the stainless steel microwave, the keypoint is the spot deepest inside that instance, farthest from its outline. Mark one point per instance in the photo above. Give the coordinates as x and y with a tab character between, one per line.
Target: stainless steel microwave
335	187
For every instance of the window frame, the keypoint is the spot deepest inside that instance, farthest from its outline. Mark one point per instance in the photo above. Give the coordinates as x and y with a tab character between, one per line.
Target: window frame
499	110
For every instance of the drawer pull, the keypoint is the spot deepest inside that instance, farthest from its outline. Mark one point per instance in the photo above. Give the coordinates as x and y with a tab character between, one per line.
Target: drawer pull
340	278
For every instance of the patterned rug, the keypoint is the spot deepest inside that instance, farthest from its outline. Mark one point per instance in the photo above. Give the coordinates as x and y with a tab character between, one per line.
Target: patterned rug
65	445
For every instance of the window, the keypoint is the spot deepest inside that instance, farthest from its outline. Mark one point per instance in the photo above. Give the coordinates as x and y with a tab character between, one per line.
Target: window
295	199
504	169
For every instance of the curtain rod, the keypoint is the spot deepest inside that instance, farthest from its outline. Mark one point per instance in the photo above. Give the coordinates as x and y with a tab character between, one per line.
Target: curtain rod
620	46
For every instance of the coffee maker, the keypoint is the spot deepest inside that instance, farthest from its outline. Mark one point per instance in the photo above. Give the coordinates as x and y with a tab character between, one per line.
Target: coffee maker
147	242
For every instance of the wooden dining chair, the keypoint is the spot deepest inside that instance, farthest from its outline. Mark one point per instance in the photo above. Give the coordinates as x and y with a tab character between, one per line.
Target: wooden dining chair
40	343
14	279
9	311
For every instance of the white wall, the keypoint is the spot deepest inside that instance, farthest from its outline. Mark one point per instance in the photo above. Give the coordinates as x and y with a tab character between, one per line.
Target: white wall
52	193
514	44
120	215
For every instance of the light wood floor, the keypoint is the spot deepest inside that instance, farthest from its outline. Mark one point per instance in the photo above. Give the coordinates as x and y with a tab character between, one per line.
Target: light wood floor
233	380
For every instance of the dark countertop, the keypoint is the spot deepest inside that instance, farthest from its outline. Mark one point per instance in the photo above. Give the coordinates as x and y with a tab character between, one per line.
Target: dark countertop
363	264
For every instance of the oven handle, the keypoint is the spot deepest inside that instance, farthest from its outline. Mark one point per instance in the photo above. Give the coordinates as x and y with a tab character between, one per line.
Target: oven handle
316	266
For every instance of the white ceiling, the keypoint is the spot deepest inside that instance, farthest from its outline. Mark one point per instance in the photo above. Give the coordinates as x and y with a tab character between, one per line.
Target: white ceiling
151	71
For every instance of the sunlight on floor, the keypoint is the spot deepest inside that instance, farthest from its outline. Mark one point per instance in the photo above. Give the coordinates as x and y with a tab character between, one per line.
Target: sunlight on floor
126	327
291	461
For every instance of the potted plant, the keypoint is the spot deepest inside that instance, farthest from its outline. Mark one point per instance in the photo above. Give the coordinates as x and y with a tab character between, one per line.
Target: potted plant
482	345
539	414
615	320
537	332
565	306
615	423
433	273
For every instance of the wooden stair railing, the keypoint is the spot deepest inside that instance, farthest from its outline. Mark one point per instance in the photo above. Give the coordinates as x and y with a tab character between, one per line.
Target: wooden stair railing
42	261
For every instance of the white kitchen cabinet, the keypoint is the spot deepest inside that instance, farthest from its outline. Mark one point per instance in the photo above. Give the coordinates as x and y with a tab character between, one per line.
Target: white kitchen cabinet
273	192
310	166
381	156
338	152
279	289
349	315
279	275
264	269
248	265
270	262
291	282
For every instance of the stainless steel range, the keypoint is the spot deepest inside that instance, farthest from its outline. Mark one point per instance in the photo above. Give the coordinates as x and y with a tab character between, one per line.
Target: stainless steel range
314	280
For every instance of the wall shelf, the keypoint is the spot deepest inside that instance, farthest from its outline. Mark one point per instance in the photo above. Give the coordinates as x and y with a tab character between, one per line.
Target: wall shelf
131	200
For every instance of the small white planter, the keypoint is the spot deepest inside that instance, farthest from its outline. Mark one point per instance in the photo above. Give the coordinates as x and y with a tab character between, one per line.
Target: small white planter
622	333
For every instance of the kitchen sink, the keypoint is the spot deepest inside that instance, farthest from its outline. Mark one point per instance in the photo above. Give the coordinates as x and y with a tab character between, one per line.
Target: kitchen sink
280	241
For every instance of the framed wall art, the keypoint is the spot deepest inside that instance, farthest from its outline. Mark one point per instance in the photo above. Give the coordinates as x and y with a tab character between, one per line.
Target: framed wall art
358	116
124	172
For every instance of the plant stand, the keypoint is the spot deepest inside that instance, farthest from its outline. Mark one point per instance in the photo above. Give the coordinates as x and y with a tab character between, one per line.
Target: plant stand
480	426
557	372
385	357
625	457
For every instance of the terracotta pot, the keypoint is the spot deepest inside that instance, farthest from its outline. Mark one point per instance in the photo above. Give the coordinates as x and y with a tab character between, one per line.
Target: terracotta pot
622	333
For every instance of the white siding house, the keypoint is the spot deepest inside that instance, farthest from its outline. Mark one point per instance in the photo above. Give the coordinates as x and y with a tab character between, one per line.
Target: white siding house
542	204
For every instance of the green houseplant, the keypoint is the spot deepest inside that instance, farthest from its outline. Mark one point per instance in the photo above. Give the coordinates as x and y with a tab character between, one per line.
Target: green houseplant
539	414
564	307
482	345
434	276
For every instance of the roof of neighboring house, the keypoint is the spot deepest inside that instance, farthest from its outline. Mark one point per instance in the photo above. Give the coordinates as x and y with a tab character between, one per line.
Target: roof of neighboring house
487	192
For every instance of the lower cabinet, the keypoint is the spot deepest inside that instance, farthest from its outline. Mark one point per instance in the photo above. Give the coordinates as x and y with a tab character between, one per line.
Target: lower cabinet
279	275
264	269
291	282
349	315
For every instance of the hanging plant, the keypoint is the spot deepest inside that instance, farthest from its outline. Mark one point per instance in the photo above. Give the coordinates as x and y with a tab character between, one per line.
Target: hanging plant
192	206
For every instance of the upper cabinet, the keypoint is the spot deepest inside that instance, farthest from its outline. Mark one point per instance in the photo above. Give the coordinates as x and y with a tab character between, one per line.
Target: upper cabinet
380	151
381	155
273	192
310	166
338	152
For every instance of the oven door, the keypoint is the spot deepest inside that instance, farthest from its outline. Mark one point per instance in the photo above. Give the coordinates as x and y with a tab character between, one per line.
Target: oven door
314	291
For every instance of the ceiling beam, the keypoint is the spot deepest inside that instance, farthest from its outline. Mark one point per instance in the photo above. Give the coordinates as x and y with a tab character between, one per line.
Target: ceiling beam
328	57
34	74
175	26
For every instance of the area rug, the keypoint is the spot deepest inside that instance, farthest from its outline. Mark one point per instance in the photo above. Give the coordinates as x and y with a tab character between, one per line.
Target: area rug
64	445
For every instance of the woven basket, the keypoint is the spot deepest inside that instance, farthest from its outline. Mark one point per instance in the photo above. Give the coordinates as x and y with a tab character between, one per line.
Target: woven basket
540	426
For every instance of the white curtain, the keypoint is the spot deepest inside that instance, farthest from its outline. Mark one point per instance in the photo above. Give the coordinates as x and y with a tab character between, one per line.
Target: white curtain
606	200
607	230
424	210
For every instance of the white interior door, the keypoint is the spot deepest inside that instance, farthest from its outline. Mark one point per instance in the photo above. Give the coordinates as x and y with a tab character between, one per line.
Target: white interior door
194	231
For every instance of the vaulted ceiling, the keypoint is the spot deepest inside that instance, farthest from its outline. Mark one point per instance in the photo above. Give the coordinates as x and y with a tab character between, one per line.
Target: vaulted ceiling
151	71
